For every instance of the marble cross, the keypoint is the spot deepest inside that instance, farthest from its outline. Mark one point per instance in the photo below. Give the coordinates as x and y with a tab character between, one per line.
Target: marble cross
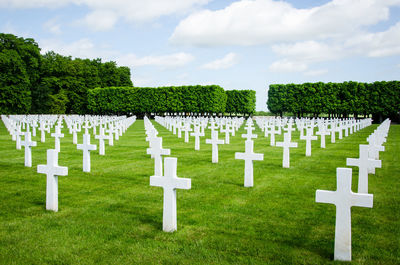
309	137
42	129
226	131
170	182
28	143
57	135
187	129
101	137
344	199
333	132
86	147
156	151
286	144
248	156
18	135
197	135
322	132
364	164
110	132
249	135
214	142
74	131
52	170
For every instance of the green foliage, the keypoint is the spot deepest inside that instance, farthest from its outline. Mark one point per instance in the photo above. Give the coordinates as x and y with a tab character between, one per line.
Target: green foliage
50	83
19	68
381	99
240	101
140	100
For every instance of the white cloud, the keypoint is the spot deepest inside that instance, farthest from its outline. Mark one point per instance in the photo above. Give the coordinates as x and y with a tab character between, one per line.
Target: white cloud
227	61
52	26
266	21
286	65
164	61
100	20
106	12
316	72
85	48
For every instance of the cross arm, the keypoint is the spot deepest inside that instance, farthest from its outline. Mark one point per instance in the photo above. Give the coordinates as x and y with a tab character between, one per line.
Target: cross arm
325	196
362	200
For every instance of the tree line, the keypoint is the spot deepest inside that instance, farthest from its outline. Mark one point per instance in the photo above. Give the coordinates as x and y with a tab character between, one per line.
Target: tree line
51	83
180	99
380	99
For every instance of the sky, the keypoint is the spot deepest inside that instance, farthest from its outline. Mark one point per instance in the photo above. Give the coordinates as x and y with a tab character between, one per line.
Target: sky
242	44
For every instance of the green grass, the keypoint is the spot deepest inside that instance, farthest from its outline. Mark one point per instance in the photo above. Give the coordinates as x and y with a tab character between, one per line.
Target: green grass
113	216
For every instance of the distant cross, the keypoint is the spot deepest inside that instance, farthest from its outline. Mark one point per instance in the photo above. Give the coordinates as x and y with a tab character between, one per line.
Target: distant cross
156	151
110	132
214	142
213	126
187	129
286	144
28	143
289	129
322	132
249	135
271	130
226	131
34	126
57	135
363	163
52	170
18	135
42	129
344	199
333	132
248	156
374	146
86	127
86	147
309	137
170	182
101	137
197	134
74	131
339	129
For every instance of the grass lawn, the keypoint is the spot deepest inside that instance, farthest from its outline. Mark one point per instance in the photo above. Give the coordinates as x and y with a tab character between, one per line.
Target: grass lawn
113	216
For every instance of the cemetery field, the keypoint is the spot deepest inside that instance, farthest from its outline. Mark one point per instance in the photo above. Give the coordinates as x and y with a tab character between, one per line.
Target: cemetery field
113	216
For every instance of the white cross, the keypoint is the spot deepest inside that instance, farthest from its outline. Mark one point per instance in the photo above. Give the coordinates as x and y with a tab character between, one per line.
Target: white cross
74	131
213	126
322	132
86	127
309	137
101	137
363	163
289	129
42	129
197	135
214	142
52	170
170	182
248	156
249	135
28	143
344	199
156	151
18	135
110	132
226	131
86	147
57	135
286	144
187	129
333	132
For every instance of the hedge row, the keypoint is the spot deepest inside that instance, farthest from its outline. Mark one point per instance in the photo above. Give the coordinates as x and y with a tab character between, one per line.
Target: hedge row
381	99
141	100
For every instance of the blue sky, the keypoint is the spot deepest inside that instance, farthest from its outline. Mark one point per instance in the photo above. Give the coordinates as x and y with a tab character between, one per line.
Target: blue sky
247	44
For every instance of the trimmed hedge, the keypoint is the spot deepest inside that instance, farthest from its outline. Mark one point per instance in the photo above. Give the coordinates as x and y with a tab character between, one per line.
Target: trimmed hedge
140	100
381	99
240	101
